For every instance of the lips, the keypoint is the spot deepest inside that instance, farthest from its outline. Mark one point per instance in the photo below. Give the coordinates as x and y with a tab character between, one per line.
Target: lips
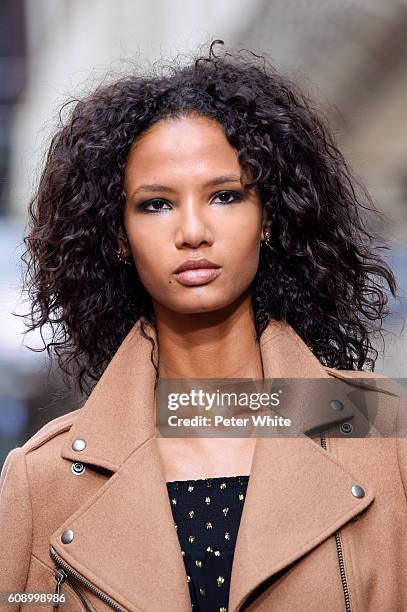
197	272
194	264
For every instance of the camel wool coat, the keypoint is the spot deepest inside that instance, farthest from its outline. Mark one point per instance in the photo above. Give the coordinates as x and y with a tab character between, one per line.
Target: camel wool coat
324	522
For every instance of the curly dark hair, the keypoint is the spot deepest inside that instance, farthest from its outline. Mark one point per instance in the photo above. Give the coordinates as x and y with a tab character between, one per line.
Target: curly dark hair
321	275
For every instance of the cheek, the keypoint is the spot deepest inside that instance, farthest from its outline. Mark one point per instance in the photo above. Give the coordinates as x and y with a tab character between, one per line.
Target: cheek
151	261
147	262
244	264
242	261
243	249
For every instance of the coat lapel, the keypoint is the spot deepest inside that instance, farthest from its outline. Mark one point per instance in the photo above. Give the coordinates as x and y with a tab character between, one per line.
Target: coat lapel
298	494
125	542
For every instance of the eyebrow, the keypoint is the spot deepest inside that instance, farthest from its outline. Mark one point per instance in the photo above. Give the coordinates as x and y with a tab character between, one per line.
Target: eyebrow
218	180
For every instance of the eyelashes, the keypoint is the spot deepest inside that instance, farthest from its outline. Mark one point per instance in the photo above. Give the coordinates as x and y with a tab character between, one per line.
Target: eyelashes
236	196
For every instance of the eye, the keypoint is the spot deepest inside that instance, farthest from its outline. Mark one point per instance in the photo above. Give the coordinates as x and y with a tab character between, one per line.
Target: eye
155	203
235	195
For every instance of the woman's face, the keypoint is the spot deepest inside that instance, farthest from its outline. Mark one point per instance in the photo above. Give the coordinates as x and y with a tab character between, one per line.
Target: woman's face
184	200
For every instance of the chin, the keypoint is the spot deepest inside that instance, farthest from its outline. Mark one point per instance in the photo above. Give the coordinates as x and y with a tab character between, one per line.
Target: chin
191	309
201	305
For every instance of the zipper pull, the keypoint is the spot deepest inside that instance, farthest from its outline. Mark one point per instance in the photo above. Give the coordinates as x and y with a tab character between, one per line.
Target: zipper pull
60	576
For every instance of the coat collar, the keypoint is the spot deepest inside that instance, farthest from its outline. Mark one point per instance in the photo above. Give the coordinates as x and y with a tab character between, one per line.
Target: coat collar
124	534
117	418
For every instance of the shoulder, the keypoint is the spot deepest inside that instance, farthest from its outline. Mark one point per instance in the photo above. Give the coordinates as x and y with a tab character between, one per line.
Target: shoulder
382	399
47	441
374	381
391	393
53	429
353	373
390	405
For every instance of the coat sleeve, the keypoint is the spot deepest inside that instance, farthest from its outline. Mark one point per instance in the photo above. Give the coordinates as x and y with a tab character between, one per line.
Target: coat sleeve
15	523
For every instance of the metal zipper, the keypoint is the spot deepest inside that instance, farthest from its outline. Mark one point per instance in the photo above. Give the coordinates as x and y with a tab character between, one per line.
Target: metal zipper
69	571
61	576
339	550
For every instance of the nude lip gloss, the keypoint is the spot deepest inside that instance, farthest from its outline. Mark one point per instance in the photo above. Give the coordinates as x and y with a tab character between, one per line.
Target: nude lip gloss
198	276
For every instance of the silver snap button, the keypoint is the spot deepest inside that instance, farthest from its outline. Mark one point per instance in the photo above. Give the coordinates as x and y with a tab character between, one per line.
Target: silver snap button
358	491
336	405
346	428
78	468
79	444
67	536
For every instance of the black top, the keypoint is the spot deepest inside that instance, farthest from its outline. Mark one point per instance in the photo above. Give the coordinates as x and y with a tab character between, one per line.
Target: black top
207	515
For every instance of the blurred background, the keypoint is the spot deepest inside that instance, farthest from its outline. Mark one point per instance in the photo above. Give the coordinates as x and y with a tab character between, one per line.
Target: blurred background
350	55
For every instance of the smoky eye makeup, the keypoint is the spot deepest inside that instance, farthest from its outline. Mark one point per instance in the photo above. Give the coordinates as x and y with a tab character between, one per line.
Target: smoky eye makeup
158	205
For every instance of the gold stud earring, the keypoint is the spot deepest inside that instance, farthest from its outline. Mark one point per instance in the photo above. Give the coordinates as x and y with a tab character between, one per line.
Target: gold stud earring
121	258
266	241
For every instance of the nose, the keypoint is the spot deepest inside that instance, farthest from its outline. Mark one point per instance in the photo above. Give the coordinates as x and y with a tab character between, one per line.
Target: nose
193	226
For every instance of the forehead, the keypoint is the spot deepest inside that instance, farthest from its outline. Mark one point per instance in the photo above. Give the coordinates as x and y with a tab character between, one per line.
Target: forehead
182	145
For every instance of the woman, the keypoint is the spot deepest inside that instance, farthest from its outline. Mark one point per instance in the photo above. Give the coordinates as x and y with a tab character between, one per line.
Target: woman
202	225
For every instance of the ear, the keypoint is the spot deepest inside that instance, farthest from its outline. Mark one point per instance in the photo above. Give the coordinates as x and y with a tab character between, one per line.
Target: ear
264	223
122	243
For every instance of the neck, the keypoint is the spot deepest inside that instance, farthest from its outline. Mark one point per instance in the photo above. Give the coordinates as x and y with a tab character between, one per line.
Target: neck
217	344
